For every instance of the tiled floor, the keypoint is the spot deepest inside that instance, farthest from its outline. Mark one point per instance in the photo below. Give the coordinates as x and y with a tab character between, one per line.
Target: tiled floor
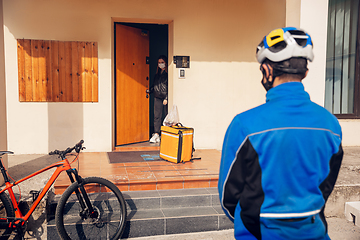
148	175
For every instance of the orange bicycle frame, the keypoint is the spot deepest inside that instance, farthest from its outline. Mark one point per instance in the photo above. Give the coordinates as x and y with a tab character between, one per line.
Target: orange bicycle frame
61	166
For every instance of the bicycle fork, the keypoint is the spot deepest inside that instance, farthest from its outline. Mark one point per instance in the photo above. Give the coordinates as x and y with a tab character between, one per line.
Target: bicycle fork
82	196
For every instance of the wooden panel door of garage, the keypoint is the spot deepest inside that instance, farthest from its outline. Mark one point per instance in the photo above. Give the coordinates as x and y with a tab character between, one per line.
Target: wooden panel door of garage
132	79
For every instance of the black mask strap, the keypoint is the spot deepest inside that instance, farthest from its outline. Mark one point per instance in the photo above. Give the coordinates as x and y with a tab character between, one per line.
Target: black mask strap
267	84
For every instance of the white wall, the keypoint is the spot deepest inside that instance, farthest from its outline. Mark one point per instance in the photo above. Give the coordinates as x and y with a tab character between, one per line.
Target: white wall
219	91
314	15
219	36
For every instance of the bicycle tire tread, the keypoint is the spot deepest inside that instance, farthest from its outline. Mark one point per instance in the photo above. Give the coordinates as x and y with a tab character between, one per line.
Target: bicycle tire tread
4	198
89	180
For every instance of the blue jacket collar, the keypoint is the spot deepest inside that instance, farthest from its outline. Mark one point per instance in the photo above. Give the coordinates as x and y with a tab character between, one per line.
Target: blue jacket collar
287	90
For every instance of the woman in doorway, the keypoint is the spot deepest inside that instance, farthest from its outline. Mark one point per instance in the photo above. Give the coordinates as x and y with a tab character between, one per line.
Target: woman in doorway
160	90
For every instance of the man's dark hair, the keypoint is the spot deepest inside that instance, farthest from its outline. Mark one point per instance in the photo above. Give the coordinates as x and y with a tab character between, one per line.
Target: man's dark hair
291	68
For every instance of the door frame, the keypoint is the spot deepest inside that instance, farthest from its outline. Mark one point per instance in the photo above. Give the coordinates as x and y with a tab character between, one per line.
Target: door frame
171	66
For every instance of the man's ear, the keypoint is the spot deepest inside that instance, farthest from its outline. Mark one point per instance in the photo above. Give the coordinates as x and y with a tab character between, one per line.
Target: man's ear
268	69
306	73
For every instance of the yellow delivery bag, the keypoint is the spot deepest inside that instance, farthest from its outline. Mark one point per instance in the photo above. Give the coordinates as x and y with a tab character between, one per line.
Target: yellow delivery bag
176	143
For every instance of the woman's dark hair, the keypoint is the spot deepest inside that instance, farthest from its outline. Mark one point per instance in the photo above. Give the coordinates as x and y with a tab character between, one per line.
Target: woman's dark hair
163	57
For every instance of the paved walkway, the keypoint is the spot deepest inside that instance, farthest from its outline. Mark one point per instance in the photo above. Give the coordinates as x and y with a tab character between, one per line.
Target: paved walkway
339	229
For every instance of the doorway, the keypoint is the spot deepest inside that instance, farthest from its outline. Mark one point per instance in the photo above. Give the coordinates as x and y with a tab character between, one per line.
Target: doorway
134	119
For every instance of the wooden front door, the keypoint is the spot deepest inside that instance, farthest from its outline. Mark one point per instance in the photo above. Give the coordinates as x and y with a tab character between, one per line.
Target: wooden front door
132	79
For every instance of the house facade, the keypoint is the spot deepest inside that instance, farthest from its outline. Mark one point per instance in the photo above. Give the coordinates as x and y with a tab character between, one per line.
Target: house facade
47	103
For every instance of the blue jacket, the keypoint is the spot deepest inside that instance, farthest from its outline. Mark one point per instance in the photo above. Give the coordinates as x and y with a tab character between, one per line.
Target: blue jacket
279	160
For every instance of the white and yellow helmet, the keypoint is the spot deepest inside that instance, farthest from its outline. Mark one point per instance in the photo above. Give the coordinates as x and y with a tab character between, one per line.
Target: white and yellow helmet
284	43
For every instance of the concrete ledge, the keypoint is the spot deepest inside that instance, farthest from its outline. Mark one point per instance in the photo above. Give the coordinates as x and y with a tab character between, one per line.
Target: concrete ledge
352	212
335	206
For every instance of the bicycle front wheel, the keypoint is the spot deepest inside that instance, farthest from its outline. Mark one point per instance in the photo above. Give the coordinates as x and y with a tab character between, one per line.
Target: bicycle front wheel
74	220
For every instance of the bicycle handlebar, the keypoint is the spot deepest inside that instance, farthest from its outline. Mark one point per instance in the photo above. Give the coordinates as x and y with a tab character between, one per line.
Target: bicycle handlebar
78	147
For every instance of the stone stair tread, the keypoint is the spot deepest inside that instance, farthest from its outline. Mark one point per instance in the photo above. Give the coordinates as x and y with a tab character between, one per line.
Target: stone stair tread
189	212
172	213
144	214
186	201
219	209
171	198
169	193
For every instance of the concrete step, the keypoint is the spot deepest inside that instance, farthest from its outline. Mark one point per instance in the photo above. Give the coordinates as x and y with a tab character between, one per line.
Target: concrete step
163	212
335	206
352	212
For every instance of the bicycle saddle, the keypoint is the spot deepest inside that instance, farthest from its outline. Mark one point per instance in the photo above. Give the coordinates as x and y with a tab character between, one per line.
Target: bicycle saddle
5	152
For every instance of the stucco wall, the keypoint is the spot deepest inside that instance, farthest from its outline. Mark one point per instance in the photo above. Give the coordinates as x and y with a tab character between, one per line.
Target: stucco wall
293	13
219	36
3	131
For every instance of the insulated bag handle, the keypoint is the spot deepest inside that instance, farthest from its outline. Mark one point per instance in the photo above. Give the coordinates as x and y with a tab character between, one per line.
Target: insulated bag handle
181	127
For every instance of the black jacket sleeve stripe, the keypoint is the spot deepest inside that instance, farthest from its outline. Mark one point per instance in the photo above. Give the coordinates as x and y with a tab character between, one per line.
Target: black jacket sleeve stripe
244	185
328	184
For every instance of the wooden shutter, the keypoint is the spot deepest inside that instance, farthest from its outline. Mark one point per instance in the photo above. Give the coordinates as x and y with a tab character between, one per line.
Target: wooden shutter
57	71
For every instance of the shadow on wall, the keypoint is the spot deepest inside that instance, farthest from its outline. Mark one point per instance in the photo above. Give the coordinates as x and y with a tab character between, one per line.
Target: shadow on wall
213	31
66	125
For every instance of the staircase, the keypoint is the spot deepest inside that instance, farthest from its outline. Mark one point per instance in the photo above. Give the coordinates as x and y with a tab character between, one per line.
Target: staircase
163	212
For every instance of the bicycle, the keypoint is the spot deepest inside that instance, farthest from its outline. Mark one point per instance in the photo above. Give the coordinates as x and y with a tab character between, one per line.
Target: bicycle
90	207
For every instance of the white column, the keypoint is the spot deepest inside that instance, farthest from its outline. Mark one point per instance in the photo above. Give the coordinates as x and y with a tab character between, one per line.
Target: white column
3	125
